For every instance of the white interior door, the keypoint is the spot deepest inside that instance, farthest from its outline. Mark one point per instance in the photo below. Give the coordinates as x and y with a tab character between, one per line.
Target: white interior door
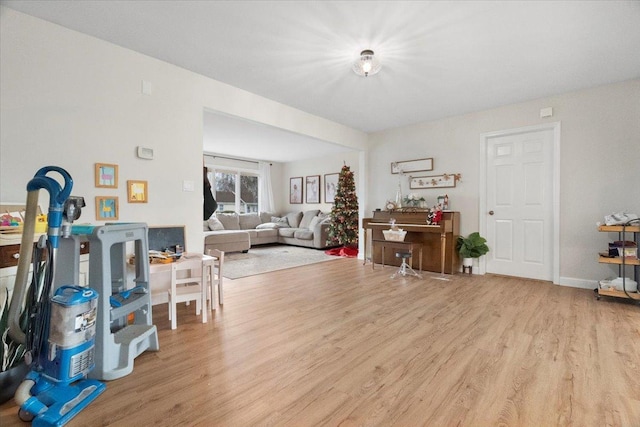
519	203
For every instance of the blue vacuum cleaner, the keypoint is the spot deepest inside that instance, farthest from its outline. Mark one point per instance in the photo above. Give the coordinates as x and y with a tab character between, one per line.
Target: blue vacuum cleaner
60	334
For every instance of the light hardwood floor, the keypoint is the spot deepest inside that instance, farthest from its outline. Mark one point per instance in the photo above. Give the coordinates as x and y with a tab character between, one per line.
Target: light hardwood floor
339	344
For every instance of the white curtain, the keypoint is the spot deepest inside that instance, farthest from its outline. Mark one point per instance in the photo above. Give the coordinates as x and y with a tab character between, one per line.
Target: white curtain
265	201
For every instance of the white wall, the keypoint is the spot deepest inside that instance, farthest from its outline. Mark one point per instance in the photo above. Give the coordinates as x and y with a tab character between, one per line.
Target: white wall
70	100
600	165
319	166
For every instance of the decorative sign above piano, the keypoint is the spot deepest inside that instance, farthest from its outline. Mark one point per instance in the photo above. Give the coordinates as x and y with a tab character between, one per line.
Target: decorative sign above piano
435	181
409	166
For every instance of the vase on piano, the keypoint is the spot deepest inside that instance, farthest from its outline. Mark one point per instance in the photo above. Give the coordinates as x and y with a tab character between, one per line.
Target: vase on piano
399	195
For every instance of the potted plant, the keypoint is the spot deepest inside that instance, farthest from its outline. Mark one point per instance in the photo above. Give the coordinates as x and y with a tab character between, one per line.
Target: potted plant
413	200
470	247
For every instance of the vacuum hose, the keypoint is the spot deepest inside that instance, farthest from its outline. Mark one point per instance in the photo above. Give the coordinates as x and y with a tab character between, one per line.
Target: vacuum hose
57	197
22	274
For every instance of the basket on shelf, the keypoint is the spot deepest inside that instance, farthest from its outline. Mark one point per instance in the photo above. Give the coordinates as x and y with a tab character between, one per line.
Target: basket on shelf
394	235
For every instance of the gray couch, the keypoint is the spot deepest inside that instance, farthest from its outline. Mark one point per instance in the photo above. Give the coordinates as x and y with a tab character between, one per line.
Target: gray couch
232	232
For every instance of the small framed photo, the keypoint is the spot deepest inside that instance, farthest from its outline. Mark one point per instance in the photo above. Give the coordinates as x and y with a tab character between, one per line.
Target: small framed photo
106	175
295	190
137	191
313	189
330	187
106	208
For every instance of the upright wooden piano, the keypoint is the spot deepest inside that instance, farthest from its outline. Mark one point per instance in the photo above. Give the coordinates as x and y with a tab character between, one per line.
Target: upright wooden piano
438	241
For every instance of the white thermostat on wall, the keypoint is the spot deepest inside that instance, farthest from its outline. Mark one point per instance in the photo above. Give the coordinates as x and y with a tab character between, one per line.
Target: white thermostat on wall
145	153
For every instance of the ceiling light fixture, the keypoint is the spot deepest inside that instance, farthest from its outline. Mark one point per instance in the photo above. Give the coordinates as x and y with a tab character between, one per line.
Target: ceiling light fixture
367	65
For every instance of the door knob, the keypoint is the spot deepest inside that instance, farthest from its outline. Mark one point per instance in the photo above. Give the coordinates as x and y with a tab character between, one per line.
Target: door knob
491	212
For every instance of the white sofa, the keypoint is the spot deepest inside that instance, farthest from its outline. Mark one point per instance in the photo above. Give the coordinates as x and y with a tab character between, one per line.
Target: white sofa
232	232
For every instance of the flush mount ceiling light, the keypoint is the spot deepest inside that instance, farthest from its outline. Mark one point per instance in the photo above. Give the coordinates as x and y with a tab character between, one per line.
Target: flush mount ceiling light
367	65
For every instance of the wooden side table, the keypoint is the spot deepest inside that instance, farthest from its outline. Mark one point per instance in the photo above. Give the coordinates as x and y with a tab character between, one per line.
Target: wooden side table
407	246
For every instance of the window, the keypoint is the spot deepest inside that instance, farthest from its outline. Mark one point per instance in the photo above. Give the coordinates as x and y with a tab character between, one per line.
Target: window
236	191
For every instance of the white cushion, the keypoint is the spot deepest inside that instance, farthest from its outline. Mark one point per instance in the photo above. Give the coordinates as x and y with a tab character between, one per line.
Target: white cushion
272	225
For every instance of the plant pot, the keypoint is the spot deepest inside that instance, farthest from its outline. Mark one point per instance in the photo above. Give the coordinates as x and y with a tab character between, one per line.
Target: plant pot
467	262
10	380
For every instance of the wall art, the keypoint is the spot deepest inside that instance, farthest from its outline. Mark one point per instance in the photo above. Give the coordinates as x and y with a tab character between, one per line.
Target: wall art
435	181
106	208
106	175
137	191
295	190
409	166
313	189
330	187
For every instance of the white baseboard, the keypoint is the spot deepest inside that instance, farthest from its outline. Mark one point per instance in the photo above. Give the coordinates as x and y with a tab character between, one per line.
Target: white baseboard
578	283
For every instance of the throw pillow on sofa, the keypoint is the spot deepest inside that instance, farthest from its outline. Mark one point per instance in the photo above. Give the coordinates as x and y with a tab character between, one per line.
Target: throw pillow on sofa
230	221
307	217
278	220
266	216
271	225
249	221
294	219
214	224
314	221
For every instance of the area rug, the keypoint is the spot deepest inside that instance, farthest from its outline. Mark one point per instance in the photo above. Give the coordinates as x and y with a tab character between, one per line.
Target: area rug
263	259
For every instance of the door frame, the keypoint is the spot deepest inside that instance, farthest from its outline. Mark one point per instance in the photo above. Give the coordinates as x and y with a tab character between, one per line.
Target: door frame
482	219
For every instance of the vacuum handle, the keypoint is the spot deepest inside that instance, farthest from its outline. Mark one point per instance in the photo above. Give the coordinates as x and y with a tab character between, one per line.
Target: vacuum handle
57	197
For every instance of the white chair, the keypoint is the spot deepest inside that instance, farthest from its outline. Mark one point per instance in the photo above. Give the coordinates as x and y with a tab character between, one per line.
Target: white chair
186	289
213	276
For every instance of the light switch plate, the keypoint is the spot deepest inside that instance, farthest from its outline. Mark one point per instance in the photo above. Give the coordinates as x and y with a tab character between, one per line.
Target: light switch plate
147	88
188	186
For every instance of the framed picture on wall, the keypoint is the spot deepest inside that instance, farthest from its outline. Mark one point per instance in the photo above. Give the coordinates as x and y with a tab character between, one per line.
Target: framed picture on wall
137	191
295	190
409	166
107	208
313	189
435	181
330	186
106	175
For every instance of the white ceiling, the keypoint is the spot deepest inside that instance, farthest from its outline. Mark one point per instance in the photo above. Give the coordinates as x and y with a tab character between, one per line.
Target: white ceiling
238	138
439	58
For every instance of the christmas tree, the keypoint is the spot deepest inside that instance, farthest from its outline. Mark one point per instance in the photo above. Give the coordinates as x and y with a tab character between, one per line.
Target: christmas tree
343	229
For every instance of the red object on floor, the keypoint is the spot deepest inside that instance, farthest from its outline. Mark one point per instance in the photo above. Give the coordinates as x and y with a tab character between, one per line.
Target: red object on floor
343	251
